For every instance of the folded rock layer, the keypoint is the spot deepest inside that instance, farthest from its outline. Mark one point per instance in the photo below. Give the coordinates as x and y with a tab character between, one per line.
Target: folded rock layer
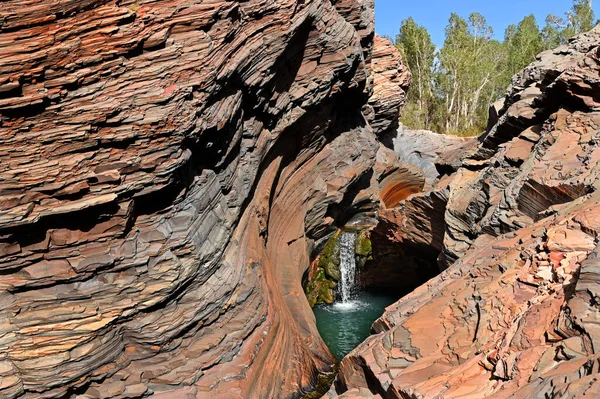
166	168
515	315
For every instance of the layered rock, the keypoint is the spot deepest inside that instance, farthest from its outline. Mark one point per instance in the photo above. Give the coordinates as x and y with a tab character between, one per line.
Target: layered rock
166	168
423	148
515	314
391	80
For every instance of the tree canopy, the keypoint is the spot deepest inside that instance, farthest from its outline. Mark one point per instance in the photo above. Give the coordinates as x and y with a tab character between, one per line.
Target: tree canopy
454	85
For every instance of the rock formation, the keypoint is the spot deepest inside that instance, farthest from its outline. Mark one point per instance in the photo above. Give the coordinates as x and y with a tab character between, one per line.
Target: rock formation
422	148
516	221
392	182
390	79
166	169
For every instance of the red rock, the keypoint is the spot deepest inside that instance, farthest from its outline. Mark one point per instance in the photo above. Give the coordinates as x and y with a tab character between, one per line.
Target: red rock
166	170
391	80
514	315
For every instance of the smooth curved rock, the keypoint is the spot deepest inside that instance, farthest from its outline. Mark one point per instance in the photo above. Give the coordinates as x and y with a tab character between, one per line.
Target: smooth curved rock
422	148
166	169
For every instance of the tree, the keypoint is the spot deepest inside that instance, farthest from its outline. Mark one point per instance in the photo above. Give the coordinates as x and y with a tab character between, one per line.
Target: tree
523	42
580	18
469	70
453	86
553	34
418	51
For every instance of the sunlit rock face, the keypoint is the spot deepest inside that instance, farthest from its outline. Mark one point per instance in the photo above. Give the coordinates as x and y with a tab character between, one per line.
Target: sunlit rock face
516	221
391	80
423	148
165	169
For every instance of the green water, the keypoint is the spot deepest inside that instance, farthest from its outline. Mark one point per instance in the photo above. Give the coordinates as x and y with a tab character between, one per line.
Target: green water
345	325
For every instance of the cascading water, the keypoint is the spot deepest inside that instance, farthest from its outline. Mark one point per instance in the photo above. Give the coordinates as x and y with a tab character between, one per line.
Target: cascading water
347	265
347	322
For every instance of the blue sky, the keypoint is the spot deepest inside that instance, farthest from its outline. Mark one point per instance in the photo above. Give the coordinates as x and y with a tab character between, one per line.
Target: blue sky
434	14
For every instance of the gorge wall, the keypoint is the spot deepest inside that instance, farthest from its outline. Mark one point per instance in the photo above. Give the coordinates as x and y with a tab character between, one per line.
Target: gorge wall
166	169
515	219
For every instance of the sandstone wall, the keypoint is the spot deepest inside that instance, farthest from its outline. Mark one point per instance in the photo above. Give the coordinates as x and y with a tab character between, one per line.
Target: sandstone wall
165	168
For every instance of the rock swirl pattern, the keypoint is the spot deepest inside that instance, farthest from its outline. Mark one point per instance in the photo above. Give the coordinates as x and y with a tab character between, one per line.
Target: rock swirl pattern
166	169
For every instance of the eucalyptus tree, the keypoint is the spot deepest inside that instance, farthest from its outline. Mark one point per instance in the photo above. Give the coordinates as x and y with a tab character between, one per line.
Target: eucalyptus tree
454	85
470	66
418	51
523	42
580	18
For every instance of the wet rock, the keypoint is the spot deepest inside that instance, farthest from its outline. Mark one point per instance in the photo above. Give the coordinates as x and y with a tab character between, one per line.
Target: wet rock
319	288
363	249
363	244
329	259
324	273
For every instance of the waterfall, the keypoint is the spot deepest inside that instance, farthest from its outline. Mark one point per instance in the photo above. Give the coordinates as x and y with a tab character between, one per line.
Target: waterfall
347	265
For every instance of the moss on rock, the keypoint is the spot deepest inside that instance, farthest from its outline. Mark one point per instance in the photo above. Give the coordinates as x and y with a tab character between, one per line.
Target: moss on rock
320	289
363	247
325	274
329	258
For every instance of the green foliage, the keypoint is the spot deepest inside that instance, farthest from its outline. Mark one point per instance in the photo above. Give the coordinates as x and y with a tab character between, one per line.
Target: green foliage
522	43
454	85
469	71
558	30
581	17
414	43
554	33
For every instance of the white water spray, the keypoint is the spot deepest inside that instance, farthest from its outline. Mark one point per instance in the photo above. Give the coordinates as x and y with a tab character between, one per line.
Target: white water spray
347	265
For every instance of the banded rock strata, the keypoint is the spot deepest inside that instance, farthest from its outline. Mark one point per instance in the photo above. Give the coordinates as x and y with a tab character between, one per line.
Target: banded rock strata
391	80
515	314
166	168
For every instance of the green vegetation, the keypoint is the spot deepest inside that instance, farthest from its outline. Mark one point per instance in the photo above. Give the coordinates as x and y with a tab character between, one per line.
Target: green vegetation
329	258
363	248
319	288
453	86
325	271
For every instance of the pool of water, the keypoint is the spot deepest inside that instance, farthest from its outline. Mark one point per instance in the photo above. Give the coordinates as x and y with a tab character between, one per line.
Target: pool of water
345	325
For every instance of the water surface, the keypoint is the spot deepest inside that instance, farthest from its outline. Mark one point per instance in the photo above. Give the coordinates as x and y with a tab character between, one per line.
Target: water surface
345	325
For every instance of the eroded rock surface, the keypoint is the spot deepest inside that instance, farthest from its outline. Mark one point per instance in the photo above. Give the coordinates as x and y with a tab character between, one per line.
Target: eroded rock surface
391	79
165	170
423	148
515	314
